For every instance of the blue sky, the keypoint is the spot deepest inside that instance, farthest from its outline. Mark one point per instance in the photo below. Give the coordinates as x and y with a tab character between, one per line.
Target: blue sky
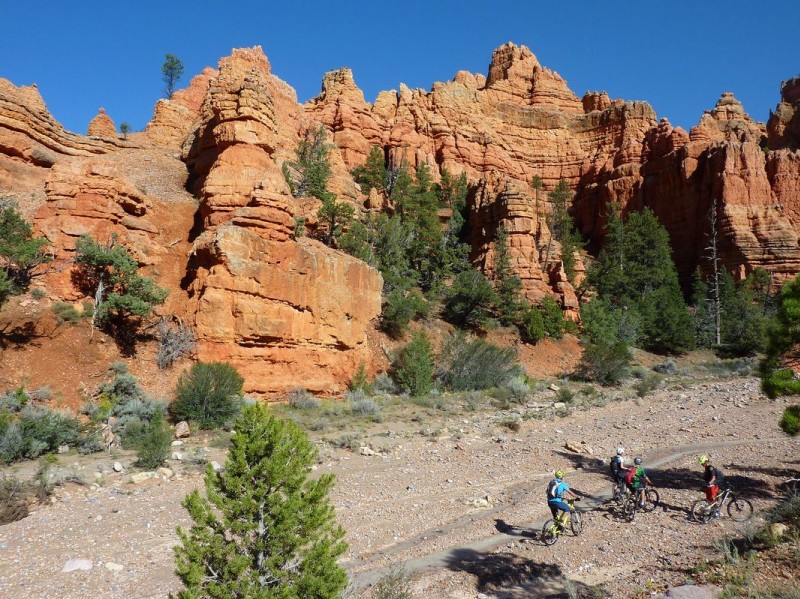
677	55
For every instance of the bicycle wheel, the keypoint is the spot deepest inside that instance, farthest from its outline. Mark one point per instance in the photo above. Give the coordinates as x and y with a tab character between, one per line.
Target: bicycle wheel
576	523
701	511
651	499
739	509
550	532
630	507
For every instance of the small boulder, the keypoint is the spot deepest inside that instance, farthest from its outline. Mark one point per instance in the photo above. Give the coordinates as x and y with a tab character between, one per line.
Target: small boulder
141	477
77	564
182	430
367	451
165	472
118	467
113	567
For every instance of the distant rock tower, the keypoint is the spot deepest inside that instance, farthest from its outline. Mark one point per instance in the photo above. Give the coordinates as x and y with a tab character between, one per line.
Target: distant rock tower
102	126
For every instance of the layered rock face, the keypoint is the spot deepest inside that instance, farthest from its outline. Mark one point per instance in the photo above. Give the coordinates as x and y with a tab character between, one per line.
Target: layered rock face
721	165
32	141
518	122
523	121
287	313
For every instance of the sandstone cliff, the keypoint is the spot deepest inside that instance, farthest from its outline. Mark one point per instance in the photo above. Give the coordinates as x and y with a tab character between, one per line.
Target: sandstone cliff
290	312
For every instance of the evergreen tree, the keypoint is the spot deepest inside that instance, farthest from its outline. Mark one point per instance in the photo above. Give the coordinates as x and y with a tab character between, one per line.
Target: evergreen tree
371	174
171	72
783	345
413	366
507	285
267	530
334	215
743	330
400	191
20	251
635	264
308	176
122	298
6	288
470	301
562	228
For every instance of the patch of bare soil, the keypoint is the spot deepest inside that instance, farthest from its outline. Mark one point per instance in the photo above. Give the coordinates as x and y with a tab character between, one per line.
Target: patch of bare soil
453	495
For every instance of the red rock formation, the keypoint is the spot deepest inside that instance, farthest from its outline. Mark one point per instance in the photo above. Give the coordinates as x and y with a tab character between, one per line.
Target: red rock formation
31	141
783	126
102	126
286	313
173	118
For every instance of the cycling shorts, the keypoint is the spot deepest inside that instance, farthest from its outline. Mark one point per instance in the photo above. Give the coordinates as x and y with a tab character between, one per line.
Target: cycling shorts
711	492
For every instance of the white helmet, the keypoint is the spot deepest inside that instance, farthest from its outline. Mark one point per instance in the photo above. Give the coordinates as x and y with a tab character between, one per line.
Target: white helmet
620	450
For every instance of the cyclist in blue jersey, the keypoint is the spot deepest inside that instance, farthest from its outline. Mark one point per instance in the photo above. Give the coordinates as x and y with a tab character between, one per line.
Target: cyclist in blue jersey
557	494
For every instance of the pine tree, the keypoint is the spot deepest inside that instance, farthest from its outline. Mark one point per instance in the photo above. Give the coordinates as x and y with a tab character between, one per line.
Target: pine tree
122	298
308	176
372	174
334	215
413	367
634	270
267	530
506	283
782	356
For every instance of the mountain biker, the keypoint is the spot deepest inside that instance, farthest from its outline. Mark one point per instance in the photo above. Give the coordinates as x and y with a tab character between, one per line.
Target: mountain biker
617	465
713	477
638	480
557	493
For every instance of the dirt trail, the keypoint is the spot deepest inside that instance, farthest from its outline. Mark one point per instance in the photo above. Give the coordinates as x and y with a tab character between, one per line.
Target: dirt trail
455	497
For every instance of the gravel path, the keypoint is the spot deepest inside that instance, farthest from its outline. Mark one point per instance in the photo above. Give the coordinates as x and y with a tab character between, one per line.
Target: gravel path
460	509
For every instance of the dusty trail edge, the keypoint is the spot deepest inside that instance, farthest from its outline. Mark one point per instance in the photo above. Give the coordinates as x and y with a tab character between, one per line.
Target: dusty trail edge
655	458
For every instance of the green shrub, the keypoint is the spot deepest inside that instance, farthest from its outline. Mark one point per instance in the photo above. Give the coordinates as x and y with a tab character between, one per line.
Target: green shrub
552	318
360	380
413	366
383	384
359	404
38	293
66	312
400	309
518	388
151	440
647	384
790	421
780	382
469	302
605	363
29	431
470	364
531	325
208	394
565	394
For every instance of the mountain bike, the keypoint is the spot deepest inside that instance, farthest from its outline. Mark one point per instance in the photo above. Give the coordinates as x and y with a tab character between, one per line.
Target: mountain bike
740	510
555	527
632	506
619	492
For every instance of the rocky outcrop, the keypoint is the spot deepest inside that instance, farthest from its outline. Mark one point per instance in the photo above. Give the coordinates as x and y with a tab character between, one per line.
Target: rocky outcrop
287	313
92	197
721	163
32	141
102	126
174	118
783	126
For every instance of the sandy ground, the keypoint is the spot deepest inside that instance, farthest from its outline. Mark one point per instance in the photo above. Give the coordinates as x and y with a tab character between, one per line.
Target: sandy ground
456	499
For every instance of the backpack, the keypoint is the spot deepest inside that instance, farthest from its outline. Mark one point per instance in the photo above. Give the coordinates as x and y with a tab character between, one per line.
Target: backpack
630	475
552	488
615	464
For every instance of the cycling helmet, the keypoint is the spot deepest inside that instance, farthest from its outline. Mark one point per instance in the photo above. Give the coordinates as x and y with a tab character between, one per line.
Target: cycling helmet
559	473
620	450
703	460
637	461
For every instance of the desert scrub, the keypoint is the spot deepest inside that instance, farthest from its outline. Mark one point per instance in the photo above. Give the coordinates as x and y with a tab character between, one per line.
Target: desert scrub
300	399
66	312
359	404
467	364
208	394
518	388
649	383
395	585
512	424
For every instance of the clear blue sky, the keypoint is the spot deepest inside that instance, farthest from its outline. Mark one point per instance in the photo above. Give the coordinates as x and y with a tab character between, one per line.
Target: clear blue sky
678	55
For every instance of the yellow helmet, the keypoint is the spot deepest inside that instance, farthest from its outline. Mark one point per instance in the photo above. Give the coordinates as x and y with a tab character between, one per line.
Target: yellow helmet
703	460
559	473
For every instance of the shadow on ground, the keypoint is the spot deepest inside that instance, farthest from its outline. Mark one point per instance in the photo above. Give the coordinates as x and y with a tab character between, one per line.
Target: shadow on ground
507	576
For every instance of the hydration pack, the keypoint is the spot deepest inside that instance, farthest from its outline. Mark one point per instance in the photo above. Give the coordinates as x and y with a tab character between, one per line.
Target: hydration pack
630	475
552	489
